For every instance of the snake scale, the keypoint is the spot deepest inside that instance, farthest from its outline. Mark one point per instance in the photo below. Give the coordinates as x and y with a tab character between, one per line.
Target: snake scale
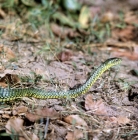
8	94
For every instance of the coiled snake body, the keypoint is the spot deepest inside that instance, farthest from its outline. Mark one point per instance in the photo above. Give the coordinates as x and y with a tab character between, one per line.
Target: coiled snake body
7	94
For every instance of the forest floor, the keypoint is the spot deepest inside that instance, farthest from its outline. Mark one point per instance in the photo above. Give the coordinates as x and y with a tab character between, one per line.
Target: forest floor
35	59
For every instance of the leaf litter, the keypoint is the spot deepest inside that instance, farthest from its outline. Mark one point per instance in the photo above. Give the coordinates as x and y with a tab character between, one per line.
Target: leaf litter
93	116
75	123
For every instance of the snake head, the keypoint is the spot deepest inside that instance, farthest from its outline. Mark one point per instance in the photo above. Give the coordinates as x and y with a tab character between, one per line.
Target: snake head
113	61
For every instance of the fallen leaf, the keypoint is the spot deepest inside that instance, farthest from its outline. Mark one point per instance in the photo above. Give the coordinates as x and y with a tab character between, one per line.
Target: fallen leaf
119	120
64	33
132	55
59	107
107	17
41	113
131	18
75	120
2	13
34	137
62	131
8	72
124	34
3	84
28	136
97	107
123	120
14	125
18	110
112	120
5	116
75	135
6	77
64	56
16	30
6	53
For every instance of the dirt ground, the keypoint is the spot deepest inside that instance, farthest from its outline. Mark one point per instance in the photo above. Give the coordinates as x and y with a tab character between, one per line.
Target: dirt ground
34	59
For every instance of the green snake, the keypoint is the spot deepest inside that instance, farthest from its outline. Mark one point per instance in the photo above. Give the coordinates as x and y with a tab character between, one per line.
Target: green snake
8	94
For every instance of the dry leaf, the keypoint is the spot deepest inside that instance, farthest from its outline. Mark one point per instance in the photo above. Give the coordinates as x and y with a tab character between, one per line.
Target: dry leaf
107	17
120	120
76	120
5	116
42	113
112	120
2	13
6	53
75	135
123	120
97	107
14	125
9	78
28	136
64	56
18	110
3	84
132	55
17	30
62	131
63	33
34	137
131	18
125	34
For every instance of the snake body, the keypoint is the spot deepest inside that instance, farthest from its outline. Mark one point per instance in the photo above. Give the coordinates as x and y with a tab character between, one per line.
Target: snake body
7	94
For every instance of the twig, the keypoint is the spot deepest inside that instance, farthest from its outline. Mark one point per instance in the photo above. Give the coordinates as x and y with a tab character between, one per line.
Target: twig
46	127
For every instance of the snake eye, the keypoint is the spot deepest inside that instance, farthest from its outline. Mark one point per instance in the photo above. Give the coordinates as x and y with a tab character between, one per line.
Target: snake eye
116	60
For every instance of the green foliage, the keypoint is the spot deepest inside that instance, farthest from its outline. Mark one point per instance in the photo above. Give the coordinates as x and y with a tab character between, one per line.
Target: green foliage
8	4
30	11
41	14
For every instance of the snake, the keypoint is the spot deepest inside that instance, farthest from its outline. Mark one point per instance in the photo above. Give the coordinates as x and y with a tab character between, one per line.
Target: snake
8	94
